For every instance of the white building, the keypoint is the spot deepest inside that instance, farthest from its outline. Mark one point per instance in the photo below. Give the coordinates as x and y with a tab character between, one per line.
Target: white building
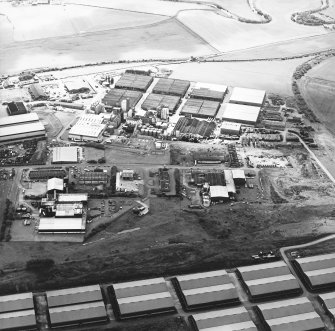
247	96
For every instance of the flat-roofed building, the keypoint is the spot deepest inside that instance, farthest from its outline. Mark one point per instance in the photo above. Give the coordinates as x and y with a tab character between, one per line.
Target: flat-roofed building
18	119
143	297
22	131
55	184
16	108
219	193
114	98
62	225
71	296
77	86
22	320
207	91
68	154
239	176
317	272
268	280
171	86
206	289
230	184
91	312
230	128
15	302
237	113
69	209
37	92
327	301
233	319
247	96
134	82
200	108
72	197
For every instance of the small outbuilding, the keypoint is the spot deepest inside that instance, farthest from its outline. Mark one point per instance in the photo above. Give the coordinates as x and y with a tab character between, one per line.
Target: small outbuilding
16	108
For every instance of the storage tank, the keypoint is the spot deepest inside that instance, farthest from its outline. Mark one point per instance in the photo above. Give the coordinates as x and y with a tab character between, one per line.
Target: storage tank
177	133
125	104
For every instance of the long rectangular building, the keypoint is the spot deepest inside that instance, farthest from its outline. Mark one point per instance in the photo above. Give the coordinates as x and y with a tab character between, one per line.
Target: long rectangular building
234	319
139	298
134	82
327	301
211	92
75	295
18	119
317	272
169	86
61	225
206	289
294	314
247	96
22	320
92	312
22	131
268	281
15	302
200	108
239	113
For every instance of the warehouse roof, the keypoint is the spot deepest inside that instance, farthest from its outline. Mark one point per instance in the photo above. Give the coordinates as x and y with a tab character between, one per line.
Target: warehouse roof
18	320
89	130
61	224
18	119
37	91
229	181
74	313
317	262
55	184
154	101
145	297
236	113
321	276
307	321
231	126
220	313
263	270
209	91
16	302
78	85
218	191
171	86
134	82
69	209
329	299
238	174
21	129
246	95
16	108
267	280
72	296
139	283
201	108
213	87
207	289
243	326
67	154
72	197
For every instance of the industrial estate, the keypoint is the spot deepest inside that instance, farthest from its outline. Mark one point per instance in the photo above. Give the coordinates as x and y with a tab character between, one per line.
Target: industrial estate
136	197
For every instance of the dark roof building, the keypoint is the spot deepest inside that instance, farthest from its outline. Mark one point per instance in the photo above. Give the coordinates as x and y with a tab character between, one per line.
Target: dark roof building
317	272
115	96
268	280
206	289
200	108
37	92
16	108
75	295
170	86
155	101
234	319
142	297
294	314
92	312
134	82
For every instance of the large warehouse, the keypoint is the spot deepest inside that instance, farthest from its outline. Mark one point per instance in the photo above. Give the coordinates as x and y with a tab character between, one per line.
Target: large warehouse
244	114
19	119
268	281
142	297
155	101
134	82
327	301
37	92
17	312
171	86
88	128
62	225
115	96
206	289
317	272
71	296
219	193
293	314
68	154
233	319
77	86
91	312
22	131
247	96
230	128
200	108
16	108
211	92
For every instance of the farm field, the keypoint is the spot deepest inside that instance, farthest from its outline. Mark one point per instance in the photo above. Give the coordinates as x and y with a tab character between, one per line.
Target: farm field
57	20
217	30
274	76
324	70
164	40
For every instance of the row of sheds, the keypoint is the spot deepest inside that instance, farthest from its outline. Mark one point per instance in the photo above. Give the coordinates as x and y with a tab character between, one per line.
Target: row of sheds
317	272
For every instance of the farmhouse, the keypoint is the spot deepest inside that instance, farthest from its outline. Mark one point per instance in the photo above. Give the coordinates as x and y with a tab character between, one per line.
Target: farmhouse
142	297
268	281
246	96
233	319
206	289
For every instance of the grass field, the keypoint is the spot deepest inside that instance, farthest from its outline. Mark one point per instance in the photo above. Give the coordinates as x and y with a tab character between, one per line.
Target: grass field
274	76
227	35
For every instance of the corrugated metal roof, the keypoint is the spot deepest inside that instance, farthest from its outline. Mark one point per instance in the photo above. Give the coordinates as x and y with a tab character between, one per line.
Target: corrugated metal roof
18	119
229	181
73	313
74	295
267	280
247	95
211	297
218	191
329	299
243	326
214	87
322	278
220	313
18	320
273	287
14	302
240	113
73	197
145	297
21	128
139	283
308	321
317	262
238	173
283	303
65	154
200	275
217	288
55	184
